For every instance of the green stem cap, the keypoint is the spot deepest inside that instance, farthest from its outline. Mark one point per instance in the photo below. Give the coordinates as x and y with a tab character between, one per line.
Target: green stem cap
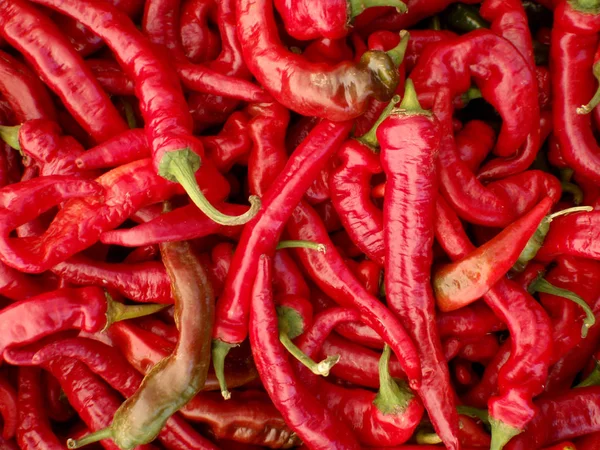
574	190
358	6
586	6
117	312
393	397
586	109
593	379
501	434
398	52
370	137
181	166
410	102
105	433
476	413
541	285
220	349
10	135
321	368
301	244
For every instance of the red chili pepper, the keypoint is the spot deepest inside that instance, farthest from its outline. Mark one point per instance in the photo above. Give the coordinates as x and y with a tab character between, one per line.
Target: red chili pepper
61	68
473	143
232	144
57	407
563	416
34	427
574	41
572	235
342	91
8	408
287	277
26	95
200	42
176	154
330	51
15	285
409	140
523	375
315	426
419	40
233	306
124	148
471	321
462	282
328	271
111	77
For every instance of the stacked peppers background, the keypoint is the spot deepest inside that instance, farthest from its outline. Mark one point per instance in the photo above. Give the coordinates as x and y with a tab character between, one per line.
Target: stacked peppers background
311	224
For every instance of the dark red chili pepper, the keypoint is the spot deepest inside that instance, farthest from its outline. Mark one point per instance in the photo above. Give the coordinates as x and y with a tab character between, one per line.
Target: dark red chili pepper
464	281
231	144
524	373
200	42
471	321
34	427
8	408
233	306
142	282
562	416
572	235
176	154
61	68
287	277
473	143
310	420
574	41
26	95
334	278
330	51
140	419
124	148
409	139
15	285
89	309
249	417
57	407
342	91
419	40
111	77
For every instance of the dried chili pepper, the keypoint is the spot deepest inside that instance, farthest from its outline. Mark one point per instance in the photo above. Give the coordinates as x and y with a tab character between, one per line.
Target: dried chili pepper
313	423
142	416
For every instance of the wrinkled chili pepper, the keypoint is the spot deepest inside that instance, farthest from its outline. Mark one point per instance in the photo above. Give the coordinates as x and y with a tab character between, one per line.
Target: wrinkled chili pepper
200	42
231	144
57	407
462	282
140	419
313	423
124	148
341	92
176	154
572	235
409	139
88	308
261	236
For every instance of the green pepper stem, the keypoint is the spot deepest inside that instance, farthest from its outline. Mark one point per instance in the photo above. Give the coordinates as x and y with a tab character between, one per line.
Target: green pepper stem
301	244
501	434
591	6
370	137
593	379
541	285
392	397
472	93
398	52
424	437
566	174
117	312
10	135
410	102
435	24
477	413
574	190
358	6
318	368
181	166
564	212
220	349
105	433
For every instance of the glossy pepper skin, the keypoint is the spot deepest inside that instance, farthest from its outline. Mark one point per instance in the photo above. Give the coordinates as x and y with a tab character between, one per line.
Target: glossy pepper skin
261	236
523	375
573	235
336	93
574	41
301	410
200	42
124	148
34	426
309	19
15	285
61	68
140	419
409	139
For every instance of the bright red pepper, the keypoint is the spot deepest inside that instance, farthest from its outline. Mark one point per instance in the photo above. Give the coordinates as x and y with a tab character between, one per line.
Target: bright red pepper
124	148
330	51
57	406
200	42
111	77
232	144
473	143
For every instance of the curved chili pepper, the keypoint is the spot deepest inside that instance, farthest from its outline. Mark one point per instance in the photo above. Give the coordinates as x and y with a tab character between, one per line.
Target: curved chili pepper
333	277
176	154
57	407
462	282
330	51
471	321
8	408
142	282
287	277
523	375
200	42
34	426
315	426
233	306
142	416
574	41
409	139
342	91
563	416
15	285
231	144
26	95
124	148
473	143
250	418
61	68
89	309
572	235
111	77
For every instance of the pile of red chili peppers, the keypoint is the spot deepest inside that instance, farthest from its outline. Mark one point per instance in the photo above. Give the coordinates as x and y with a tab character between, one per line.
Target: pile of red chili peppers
311	224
